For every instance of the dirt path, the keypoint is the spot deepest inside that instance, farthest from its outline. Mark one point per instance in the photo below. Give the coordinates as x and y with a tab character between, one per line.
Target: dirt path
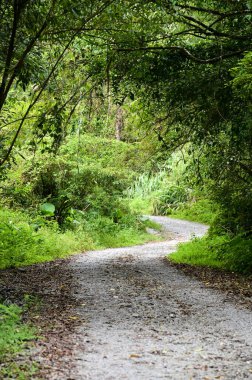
143	319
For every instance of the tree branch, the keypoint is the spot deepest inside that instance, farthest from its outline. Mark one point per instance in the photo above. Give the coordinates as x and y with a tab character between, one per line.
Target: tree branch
8	153
186	53
10	50
27	50
6	157
213	31
214	11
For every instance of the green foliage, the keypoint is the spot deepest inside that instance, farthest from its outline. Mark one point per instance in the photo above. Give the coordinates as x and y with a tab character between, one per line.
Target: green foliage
25	240
12	333
23	243
146	184
199	94
237	255
199	210
68	203
181	74
200	252
123	237
151	224
88	176
47	209
14	336
141	206
232	254
161	192
170	199
242	73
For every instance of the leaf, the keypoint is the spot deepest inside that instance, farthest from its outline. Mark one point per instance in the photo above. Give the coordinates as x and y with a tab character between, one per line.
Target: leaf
47	209
135	356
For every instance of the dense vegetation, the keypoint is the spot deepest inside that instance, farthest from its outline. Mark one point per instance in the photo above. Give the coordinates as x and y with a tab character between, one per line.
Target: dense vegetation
69	202
111	109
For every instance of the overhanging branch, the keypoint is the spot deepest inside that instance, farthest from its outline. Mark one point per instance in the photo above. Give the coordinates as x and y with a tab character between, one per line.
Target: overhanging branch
186	53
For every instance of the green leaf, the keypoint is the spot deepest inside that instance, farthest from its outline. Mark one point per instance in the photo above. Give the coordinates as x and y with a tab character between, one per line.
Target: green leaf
47	209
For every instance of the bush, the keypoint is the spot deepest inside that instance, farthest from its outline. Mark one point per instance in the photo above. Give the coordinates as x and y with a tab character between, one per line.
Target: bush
236	255
25	240
92	182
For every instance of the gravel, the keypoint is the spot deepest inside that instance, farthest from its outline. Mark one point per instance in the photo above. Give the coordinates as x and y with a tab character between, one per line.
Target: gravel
144	319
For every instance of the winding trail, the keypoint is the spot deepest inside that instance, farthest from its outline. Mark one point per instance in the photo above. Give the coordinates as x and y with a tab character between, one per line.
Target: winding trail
143	319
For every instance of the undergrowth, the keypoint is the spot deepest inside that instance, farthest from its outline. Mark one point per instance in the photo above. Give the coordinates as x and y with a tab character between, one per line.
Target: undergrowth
14	337
201	210
23	243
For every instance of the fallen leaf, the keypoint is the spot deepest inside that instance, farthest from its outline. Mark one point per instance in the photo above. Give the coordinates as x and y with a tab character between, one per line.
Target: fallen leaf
135	356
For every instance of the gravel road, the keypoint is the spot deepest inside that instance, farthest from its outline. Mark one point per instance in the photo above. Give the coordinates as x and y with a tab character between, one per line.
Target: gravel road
143	319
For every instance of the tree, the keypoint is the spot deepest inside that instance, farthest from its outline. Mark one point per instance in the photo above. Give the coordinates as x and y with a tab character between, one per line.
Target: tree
30	28
183	69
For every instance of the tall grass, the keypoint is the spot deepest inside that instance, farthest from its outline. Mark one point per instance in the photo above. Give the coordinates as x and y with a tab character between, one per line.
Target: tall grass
156	194
162	191
166	192
146	184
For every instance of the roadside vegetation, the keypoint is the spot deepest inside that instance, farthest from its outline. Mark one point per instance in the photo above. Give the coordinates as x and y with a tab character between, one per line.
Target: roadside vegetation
169	192
56	205
53	206
100	125
14	337
215	251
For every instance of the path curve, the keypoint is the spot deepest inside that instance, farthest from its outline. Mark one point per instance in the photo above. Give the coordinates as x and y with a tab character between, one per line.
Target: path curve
143	319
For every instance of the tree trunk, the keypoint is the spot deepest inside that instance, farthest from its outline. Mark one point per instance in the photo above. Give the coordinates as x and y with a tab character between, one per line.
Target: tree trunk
119	123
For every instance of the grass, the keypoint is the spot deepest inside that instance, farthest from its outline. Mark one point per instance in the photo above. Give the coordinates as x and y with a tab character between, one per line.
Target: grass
151	224
108	235
14	337
202	211
141	206
128	237
147	184
21	244
159	197
198	252
223	252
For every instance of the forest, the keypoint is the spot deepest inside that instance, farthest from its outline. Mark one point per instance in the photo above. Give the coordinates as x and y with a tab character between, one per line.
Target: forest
111	110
